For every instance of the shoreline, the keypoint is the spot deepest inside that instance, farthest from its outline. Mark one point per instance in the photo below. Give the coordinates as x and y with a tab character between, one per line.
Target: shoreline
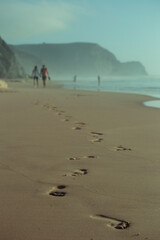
94	88
78	165
153	101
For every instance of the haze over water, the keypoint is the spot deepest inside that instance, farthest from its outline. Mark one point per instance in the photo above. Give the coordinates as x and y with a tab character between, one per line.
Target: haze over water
129	29
149	86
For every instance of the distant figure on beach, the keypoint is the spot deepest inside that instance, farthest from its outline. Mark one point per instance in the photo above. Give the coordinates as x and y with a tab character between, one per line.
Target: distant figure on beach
44	74
99	81
75	79
35	75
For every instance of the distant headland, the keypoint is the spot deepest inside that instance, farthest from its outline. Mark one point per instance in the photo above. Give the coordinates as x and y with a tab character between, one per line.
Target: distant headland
66	60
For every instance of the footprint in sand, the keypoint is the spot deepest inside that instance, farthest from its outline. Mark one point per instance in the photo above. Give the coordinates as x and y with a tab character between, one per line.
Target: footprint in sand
90	156
79	126
59	112
76	128
36	102
97	133
56	191
80	95
121	148
112	222
97	140
74	158
76	173
54	108
78	158
136	235
96	137
47	105
66	119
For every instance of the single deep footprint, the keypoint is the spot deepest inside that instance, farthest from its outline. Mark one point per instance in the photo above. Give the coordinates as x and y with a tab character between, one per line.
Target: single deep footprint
76	173
56	191
112	222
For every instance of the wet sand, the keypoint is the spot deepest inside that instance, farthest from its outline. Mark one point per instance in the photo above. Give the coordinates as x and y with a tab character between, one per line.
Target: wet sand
78	165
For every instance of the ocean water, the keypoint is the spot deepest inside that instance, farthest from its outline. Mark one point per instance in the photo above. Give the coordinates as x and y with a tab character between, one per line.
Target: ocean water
149	86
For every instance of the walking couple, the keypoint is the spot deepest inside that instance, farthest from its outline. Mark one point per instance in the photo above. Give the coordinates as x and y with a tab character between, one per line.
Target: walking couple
43	73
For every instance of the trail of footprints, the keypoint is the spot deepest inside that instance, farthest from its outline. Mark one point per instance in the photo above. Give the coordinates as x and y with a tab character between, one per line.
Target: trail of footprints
56	110
60	190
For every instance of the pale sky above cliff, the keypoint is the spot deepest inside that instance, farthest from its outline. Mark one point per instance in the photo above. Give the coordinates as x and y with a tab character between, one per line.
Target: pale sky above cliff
130	29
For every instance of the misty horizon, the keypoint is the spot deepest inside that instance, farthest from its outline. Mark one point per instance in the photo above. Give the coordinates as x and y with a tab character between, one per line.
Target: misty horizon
128	29
83	59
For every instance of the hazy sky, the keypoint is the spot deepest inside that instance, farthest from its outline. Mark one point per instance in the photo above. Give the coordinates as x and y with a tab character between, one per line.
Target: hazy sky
128	28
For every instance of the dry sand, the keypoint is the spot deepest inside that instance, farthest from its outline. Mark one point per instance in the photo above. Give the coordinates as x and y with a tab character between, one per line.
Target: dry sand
3	85
78	165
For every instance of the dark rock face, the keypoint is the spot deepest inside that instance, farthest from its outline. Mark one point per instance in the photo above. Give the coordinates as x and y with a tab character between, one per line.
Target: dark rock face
82	59
9	67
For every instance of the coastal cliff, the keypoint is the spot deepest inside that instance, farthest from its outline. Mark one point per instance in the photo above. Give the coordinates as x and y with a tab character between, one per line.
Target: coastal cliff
83	59
9	66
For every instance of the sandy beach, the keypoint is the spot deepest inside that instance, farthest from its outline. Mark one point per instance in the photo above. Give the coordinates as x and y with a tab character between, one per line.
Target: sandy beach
78	165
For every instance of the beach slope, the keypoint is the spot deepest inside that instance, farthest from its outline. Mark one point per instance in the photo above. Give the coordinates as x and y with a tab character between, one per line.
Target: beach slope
78	165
